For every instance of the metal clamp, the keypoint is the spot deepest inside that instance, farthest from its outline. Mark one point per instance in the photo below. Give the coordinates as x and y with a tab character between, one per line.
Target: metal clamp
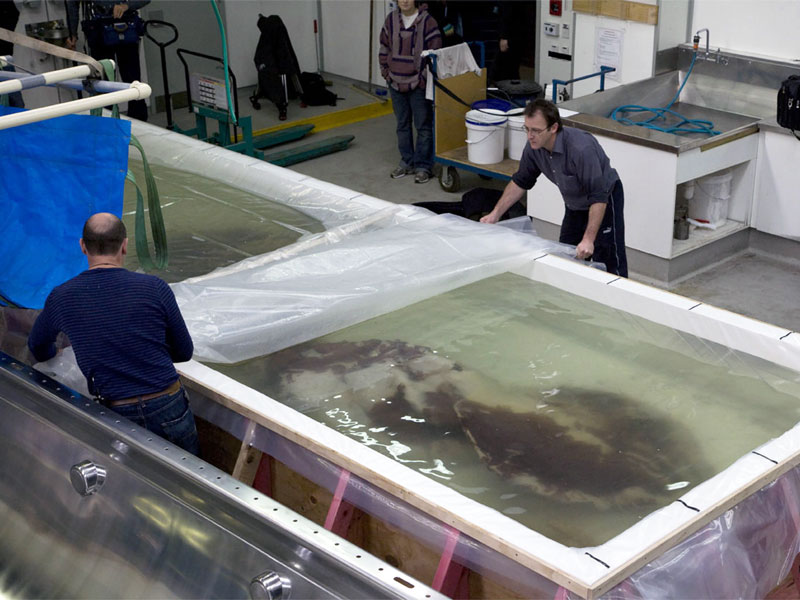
87	477
270	586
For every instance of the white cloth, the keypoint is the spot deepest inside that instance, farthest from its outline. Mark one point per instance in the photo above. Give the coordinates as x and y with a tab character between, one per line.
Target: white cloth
451	61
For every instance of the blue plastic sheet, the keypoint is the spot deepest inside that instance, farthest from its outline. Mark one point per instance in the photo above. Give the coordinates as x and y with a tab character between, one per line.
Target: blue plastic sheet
54	175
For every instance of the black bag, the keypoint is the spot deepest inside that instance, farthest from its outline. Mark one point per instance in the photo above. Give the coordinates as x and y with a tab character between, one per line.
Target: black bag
314	91
110	32
789	104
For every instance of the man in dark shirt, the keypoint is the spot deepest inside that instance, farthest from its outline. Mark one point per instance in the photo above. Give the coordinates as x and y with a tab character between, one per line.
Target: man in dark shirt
126	330
593	196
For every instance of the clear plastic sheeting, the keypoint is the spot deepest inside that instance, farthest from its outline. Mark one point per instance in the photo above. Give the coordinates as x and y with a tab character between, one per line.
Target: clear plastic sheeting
332	205
259	306
210	224
744	553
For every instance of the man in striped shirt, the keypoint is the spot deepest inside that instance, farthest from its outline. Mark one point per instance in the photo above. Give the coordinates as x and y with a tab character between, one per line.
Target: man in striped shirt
405	34
126	330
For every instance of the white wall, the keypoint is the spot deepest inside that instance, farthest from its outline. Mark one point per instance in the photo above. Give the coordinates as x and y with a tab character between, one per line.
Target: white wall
637	47
346	44
548	68
241	18
673	23
197	31
751	26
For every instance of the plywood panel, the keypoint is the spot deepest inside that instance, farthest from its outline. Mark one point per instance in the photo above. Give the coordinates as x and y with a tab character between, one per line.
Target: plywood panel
619	9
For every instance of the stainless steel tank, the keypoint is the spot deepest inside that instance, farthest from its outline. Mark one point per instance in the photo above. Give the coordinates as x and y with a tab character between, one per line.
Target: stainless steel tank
96	507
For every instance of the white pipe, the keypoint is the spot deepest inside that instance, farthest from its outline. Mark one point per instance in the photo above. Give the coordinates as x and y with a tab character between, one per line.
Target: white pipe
17	85
99	86
137	91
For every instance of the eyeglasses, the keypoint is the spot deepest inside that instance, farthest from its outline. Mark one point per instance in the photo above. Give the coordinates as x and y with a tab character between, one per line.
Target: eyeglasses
534	131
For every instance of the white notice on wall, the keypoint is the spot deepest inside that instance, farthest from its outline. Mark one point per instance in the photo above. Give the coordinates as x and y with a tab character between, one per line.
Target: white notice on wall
608	50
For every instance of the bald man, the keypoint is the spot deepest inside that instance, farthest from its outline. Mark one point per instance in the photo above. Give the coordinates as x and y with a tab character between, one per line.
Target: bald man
126	330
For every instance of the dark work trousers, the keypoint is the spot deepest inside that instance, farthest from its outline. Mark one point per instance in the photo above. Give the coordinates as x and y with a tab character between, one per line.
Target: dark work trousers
609	246
127	58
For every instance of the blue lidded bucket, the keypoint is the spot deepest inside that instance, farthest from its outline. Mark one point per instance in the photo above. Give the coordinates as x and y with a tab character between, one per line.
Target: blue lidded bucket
493	103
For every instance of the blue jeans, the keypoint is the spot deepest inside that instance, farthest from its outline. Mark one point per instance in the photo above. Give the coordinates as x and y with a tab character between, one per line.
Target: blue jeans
168	416
408	105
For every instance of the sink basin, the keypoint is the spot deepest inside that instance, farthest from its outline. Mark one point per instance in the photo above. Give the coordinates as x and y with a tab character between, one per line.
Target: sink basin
734	92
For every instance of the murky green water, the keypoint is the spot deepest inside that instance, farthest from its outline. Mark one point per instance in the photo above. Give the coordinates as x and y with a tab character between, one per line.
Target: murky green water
210	224
572	418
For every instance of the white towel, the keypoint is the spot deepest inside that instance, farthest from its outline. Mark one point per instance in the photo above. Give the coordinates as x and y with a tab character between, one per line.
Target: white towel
455	60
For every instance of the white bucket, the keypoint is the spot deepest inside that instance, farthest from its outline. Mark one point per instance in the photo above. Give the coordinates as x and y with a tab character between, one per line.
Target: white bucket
515	133
486	136
709	203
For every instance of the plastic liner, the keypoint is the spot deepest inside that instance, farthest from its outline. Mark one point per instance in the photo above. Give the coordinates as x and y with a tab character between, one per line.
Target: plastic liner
744	553
53	176
210	224
332	205
264	304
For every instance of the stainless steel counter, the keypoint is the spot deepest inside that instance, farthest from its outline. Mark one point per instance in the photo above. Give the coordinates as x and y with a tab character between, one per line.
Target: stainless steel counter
736	92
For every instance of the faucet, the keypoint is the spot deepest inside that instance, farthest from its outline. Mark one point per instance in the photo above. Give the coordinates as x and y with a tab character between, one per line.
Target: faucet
697	40
717	57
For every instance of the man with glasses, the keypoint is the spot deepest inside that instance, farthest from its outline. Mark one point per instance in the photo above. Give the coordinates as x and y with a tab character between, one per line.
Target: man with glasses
574	161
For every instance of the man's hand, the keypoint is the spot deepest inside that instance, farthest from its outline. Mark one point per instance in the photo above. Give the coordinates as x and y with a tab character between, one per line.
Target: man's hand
491	218
119	10
71	43
503	45
584	250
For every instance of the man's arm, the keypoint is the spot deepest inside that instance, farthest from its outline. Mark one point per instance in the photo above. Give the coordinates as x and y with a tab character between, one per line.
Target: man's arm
585	248
511	195
41	341
178	338
73	7
122	7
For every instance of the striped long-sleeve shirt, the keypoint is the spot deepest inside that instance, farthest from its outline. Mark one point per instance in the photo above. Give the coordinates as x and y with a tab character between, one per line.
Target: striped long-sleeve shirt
400	55
126	330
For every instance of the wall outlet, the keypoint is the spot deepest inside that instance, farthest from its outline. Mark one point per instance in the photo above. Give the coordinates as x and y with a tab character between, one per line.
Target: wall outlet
551	29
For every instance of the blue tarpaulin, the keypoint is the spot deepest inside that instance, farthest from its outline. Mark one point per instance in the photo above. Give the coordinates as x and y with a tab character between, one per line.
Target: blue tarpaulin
54	175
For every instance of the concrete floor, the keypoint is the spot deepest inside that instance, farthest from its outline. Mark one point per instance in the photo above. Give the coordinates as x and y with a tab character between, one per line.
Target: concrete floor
753	283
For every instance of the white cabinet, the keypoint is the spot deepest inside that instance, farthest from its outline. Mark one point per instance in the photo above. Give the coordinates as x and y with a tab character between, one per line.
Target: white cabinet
777	195
650	178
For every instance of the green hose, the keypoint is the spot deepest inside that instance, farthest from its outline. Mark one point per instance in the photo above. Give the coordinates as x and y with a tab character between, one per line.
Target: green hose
225	62
153	201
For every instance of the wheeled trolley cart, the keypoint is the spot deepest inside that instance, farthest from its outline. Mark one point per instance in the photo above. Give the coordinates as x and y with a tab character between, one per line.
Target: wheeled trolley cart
450	130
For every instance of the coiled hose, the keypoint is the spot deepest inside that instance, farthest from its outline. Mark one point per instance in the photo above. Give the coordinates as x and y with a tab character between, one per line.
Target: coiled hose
684	125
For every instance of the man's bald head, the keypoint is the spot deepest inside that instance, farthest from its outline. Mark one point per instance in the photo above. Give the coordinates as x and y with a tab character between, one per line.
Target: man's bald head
103	234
